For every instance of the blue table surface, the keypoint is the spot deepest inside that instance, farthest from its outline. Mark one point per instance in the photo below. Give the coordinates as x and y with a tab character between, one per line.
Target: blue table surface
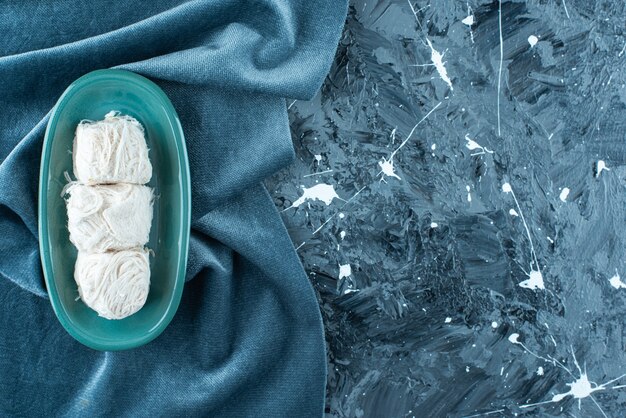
475	267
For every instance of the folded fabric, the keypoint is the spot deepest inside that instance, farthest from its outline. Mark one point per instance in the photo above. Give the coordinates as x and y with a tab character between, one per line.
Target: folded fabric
247	339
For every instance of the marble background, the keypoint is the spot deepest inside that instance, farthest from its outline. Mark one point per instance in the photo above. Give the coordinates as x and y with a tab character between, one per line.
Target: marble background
458	202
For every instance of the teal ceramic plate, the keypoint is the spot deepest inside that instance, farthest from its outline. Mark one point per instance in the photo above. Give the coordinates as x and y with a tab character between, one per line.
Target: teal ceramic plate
91	97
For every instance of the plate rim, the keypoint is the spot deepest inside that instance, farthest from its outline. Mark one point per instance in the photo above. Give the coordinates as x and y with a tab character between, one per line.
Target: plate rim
44	247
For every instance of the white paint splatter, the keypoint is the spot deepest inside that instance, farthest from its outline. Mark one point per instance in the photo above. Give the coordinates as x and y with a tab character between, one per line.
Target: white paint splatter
513	212
437	58
318	157
532	40
553	340
318	173
467	369
448	320
415	13
534	282
494	325
580	388
469	20
386	166
501	59
535	278
473	145
433	147
564	194
324	192
342	235
469	195
616	281
540	371
600	166
565	6
345	270
434	224
514	338
341	215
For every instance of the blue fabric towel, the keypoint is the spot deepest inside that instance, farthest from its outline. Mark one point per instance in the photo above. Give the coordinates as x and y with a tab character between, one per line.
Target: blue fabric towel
247	339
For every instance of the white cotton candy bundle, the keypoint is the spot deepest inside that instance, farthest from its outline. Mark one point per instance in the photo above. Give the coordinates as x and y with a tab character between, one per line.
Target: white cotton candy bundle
109	217
110	213
110	151
116	284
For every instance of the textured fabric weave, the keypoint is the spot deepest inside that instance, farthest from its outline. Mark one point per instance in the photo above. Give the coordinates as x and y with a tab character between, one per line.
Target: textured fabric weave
247	339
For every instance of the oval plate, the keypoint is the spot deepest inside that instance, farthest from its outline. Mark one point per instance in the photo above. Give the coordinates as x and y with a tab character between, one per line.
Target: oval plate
91	97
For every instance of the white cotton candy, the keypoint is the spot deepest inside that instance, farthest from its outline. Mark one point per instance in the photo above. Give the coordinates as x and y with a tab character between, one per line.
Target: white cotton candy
109	217
112	150
115	285
110	213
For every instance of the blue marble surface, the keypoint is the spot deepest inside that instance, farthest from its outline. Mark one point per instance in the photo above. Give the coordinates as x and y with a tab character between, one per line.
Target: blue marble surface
458	202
